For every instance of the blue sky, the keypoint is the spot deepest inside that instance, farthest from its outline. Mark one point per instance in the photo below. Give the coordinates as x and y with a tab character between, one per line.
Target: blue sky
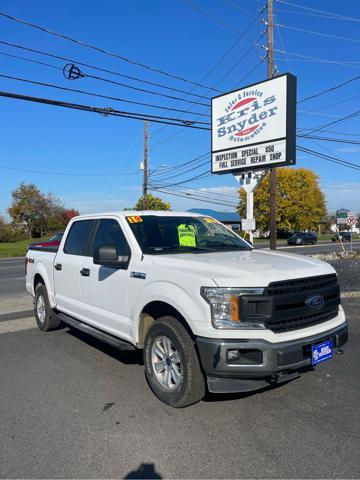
187	39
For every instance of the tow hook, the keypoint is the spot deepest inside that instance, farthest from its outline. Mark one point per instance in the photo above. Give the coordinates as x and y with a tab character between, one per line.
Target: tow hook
282	376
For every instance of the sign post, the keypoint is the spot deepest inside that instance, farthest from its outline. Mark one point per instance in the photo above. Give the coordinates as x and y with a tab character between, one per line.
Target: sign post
254	129
249	181
351	219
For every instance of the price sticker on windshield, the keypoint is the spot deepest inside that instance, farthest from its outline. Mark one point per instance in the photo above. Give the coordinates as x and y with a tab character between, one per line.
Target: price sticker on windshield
210	220
134	219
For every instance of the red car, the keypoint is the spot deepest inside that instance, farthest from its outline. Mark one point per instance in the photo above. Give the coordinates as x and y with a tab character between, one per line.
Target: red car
53	241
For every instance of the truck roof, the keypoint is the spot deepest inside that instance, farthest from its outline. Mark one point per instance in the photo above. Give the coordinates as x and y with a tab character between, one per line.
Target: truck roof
130	213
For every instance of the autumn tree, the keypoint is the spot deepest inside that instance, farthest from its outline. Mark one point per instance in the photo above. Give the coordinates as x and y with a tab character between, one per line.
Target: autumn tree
34	212
152	203
27	207
300	202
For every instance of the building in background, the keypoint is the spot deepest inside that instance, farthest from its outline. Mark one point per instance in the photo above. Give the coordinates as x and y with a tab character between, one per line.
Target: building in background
231	219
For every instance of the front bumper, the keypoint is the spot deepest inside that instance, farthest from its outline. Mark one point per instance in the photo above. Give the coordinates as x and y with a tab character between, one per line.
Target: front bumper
261	363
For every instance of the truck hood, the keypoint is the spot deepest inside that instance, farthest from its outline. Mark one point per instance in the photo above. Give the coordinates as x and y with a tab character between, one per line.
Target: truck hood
255	268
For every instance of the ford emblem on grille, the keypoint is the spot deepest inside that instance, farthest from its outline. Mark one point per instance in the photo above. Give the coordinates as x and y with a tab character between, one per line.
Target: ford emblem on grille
315	301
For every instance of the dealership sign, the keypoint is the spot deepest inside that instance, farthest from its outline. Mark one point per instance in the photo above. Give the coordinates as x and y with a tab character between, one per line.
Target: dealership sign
255	127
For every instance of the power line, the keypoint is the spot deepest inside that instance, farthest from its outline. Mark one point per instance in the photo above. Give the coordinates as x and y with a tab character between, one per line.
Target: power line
179	166
68	174
203	114
335	133
99	95
100	110
194	191
18	57
321	34
331	89
242	9
326	125
100	69
101	50
210	71
203	174
328	139
234	65
207	198
330	16
86	75
195	199
332	159
218	20
178	174
317	59
335	15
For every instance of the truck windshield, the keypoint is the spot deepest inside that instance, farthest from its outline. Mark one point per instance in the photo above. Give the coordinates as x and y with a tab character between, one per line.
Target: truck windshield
180	234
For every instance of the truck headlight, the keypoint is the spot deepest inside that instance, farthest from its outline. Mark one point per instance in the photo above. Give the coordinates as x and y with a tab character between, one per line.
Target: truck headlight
225	306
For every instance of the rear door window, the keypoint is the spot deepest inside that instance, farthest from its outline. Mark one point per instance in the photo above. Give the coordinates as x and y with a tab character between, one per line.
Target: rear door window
78	238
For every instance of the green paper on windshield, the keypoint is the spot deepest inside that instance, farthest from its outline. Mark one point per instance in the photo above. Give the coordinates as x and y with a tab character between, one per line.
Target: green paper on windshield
186	235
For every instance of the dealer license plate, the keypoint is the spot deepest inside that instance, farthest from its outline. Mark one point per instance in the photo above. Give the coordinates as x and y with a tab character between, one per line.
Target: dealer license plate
321	352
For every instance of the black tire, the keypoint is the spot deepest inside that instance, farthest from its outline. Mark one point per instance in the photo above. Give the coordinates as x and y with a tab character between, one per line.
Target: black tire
50	320
191	388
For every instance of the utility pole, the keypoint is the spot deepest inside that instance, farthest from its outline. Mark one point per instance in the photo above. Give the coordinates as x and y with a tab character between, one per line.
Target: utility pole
270	62
145	183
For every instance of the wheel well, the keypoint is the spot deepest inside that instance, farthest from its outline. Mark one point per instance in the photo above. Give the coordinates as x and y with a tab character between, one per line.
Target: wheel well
154	310
38	279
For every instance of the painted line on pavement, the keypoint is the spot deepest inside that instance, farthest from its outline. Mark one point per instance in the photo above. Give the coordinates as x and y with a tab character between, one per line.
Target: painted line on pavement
4	317
351	294
11	278
17	325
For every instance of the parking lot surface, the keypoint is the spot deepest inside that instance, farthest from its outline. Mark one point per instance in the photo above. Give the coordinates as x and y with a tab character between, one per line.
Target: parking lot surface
73	407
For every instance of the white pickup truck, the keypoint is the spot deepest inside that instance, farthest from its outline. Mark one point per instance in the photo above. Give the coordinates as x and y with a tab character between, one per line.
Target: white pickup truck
207	310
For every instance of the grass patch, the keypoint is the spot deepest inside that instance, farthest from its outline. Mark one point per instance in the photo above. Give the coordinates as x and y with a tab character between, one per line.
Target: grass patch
16	249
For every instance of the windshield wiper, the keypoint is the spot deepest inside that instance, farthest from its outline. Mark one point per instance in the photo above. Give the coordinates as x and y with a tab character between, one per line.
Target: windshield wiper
179	249
225	246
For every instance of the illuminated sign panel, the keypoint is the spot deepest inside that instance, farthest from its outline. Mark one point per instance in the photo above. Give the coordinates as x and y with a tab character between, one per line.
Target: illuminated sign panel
255	127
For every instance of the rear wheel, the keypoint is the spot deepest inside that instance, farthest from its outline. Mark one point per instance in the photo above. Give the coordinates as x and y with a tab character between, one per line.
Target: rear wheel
45	317
171	364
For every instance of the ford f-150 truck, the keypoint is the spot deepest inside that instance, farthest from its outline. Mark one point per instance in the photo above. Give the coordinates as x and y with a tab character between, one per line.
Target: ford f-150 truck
207	310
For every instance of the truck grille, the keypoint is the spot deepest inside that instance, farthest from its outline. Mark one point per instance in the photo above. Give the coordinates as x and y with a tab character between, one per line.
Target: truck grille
290	310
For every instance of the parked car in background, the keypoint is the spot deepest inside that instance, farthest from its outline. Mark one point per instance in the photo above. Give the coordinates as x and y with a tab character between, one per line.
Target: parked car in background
53	241
342	237
302	238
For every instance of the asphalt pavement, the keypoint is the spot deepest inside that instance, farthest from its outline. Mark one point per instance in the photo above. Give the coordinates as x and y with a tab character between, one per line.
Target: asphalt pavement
72	407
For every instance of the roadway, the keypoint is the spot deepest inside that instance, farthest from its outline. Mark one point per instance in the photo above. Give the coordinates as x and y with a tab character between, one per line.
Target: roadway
12	276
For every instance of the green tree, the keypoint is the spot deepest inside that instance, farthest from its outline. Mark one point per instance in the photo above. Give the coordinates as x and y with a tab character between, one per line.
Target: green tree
27	208
152	203
300	202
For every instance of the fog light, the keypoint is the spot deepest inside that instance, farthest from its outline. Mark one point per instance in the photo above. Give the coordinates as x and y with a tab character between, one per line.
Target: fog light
233	355
244	356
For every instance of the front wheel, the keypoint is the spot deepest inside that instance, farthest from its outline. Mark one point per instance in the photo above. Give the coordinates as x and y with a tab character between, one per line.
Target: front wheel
171	364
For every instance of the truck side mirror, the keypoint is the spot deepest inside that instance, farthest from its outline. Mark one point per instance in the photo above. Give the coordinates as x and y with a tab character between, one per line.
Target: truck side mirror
108	257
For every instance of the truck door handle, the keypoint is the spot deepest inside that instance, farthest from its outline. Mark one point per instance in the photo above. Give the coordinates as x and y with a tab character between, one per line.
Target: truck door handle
58	266
85	272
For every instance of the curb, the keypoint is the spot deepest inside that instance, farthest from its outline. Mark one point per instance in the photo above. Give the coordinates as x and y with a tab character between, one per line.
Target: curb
351	294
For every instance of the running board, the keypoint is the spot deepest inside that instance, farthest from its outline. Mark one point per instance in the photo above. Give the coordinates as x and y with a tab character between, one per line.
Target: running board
94	332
